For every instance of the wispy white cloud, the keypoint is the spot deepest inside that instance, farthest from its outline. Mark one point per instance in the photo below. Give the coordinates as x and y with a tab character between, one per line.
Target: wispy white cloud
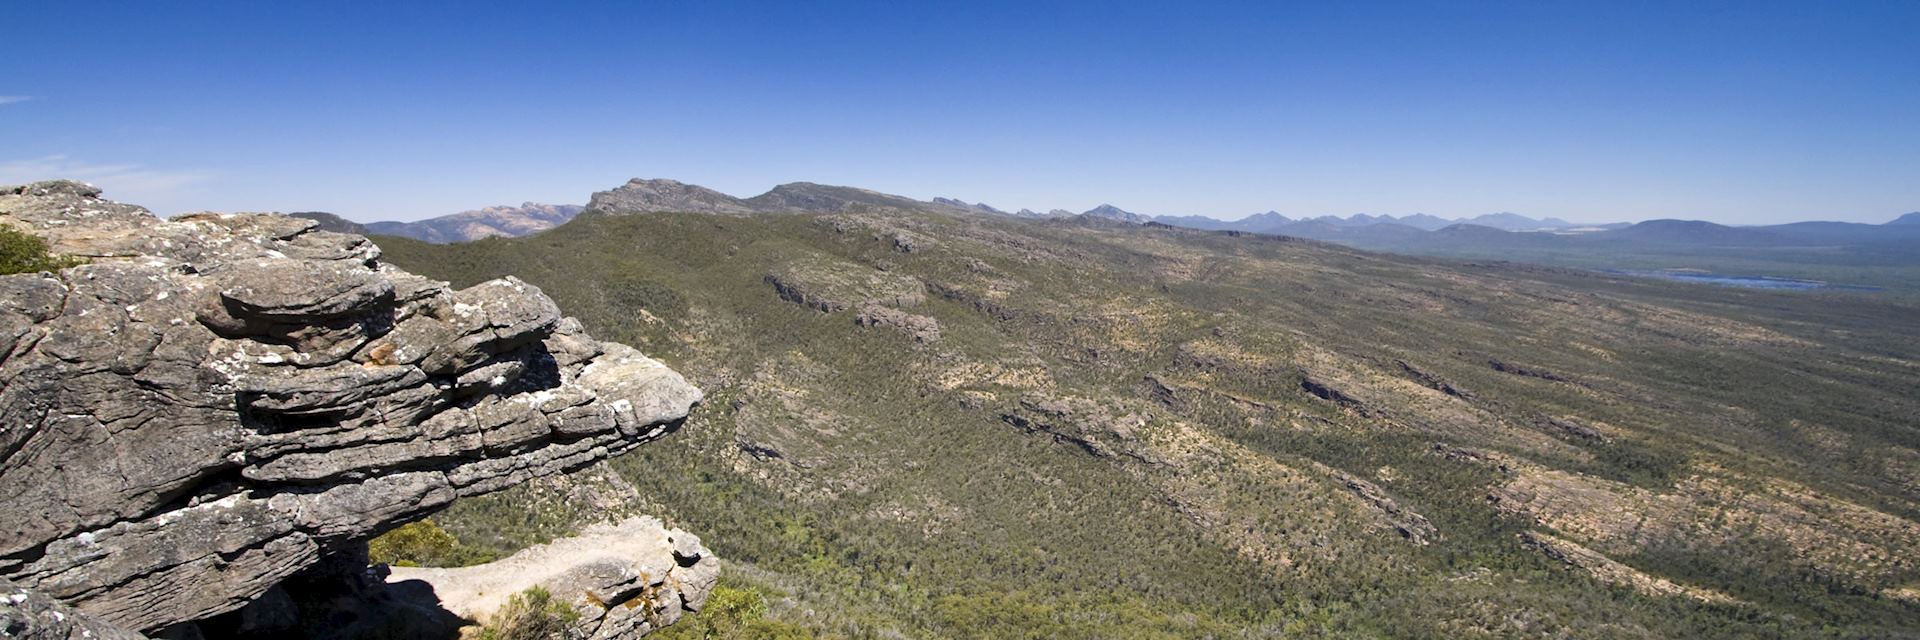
7	100
124	182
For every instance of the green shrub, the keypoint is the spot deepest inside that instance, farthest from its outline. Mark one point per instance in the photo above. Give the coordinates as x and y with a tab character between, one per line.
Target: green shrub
733	613
26	253
422	544
533	614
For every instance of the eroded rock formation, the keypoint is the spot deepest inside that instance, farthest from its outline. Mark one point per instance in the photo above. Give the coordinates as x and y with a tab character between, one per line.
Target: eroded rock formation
624	579
216	402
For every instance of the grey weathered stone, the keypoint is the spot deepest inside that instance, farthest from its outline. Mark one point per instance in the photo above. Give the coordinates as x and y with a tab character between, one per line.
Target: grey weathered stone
218	401
27	614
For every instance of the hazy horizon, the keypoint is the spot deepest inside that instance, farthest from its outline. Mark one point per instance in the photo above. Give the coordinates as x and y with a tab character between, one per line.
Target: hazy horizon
1080	210
1750	113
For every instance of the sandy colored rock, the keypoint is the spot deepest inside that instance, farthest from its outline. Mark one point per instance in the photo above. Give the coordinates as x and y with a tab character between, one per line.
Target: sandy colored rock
625	580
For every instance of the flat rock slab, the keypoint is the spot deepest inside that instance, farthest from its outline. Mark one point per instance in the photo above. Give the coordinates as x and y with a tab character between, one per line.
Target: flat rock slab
624	579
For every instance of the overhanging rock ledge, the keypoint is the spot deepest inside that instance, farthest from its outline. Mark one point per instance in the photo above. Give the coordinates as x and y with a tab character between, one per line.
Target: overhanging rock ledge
217	401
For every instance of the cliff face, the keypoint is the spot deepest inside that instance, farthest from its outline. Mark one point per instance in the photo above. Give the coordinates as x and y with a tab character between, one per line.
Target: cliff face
217	402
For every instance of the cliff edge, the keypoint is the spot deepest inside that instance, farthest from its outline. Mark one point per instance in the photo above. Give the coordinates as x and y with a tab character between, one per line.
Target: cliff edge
217	402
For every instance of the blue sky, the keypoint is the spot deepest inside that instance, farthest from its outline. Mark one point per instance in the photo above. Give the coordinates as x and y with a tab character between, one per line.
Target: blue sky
1738	112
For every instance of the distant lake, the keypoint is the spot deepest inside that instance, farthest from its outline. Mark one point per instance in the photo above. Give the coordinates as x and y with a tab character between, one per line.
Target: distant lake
1747	282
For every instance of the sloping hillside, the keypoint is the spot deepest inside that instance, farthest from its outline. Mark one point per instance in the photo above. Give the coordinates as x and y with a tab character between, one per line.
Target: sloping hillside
970	426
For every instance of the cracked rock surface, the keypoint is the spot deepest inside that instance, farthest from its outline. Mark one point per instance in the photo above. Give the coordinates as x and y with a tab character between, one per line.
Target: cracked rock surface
215	402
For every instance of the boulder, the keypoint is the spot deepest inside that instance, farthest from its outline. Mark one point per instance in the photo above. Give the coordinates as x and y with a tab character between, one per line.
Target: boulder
920	328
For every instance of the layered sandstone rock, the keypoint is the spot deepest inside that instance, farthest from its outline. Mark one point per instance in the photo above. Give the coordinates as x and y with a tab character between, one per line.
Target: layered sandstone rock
216	402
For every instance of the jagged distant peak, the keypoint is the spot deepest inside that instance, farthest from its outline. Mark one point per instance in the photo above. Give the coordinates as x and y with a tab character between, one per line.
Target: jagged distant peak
972	206
1268	215
812	197
1910	218
1425	221
486	222
1111	212
560	212
1510	221
648	195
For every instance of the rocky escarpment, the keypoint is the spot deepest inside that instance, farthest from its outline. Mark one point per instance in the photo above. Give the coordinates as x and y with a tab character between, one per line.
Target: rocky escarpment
217	402
647	195
831	286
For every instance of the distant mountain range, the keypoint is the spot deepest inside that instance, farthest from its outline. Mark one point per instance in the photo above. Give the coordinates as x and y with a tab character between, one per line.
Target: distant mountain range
659	195
1416	233
502	221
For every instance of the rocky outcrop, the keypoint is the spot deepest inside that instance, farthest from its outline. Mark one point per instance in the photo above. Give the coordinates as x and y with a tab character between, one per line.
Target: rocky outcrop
921	328
657	195
832	286
1413	526
1433	382
1612	572
624	580
332	222
1102	429
1325	390
217	402
1518	370
1707	509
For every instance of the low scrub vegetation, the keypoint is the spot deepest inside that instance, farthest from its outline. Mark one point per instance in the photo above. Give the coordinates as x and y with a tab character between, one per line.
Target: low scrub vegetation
878	485
22	252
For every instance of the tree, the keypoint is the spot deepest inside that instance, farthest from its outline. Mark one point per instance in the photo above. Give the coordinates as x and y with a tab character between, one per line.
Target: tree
26	253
